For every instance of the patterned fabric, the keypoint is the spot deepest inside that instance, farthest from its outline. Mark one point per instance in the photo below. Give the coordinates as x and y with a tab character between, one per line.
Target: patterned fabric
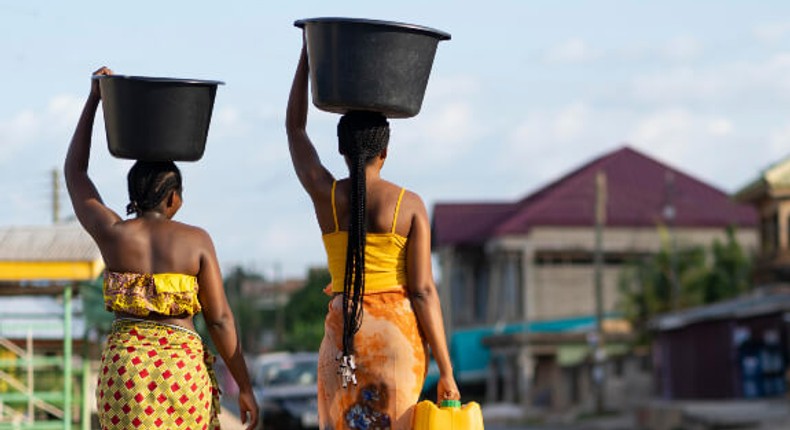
156	376
385	254
391	363
139	294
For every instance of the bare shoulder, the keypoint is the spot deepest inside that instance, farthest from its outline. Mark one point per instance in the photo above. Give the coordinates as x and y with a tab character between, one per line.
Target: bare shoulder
413	202
412	212
196	235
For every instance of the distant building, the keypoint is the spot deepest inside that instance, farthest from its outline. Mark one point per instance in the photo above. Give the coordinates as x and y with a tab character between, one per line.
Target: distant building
770	196
527	266
41	269
737	348
36	264
266	295
733	349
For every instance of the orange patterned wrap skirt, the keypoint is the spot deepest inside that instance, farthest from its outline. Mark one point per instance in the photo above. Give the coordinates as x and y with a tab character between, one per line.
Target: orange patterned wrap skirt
156	376
391	360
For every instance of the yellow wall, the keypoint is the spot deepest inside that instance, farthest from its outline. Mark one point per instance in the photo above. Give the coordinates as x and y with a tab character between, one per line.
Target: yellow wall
50	270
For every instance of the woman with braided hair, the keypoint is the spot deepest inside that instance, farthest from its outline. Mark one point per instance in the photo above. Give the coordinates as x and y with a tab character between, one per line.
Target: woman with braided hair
155	371
385	307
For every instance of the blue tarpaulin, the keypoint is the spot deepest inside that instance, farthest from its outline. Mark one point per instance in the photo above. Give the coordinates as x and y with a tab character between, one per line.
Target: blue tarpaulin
470	357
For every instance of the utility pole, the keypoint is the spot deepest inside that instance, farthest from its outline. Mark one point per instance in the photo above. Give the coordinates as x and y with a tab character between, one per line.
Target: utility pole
669	217
55	196
598	340
280	303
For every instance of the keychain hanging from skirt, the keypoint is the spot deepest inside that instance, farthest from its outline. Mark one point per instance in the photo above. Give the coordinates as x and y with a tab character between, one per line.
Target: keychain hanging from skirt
347	369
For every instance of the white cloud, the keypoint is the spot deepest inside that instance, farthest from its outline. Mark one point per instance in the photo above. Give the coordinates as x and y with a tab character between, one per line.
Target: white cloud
571	122
760	82
448	125
227	122
682	48
771	32
441	134
678	131
65	110
572	51
549	143
17	131
676	83
669	132
39	128
452	86
779	142
720	127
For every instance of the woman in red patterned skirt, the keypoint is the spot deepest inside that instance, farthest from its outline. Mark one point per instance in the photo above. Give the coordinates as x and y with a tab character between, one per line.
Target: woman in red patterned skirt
155	372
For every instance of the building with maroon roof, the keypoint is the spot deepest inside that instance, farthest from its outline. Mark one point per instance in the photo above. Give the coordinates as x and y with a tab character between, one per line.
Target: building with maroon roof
522	265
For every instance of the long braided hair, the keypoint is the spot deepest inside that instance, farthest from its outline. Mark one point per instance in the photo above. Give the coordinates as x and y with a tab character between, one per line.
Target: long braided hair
361	137
149	183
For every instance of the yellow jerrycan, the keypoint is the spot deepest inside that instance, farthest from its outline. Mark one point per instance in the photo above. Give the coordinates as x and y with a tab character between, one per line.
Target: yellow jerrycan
449	416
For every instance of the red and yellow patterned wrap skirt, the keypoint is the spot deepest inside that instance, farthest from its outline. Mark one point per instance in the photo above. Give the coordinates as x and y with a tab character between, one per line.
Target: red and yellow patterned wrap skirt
156	376
391	360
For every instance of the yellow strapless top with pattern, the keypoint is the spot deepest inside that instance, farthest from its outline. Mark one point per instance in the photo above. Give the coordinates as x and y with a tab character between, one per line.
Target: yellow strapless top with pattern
170	294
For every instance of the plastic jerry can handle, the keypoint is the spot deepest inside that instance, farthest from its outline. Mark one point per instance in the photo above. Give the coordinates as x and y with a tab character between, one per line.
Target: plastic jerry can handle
450	404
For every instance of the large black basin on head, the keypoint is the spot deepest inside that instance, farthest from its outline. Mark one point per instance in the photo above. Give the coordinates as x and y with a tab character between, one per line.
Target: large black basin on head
362	64
157	119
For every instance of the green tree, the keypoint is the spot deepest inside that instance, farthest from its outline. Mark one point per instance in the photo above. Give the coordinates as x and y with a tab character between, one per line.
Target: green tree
305	313
703	276
96	316
730	273
250	319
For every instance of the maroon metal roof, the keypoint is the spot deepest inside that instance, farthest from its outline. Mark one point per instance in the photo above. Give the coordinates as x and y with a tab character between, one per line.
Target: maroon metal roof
638	189
458	223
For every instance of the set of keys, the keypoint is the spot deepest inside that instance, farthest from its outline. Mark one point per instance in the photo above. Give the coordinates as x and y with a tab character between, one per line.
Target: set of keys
347	369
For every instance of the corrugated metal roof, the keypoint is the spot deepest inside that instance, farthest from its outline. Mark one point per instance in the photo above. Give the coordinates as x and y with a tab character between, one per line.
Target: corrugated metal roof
759	303
773	180
461	223
637	191
60	242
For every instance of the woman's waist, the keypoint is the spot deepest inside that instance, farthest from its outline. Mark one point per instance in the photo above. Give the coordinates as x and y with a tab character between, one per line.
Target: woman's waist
373	282
164	329
377	277
391	289
142	303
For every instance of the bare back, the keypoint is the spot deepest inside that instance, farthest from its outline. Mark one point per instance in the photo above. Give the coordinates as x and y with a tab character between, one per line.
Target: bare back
153	246
382	198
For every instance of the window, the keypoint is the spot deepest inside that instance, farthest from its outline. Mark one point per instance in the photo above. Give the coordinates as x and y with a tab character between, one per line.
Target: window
481	293
511	299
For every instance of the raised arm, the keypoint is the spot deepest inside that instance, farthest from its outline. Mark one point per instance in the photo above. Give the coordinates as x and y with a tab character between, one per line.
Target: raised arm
425	300
313	176
222	329
91	212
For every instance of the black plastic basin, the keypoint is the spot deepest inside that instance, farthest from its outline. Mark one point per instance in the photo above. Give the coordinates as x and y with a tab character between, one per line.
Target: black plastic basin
157	119
361	64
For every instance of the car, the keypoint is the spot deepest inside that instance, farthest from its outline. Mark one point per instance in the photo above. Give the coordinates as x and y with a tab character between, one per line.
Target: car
285	386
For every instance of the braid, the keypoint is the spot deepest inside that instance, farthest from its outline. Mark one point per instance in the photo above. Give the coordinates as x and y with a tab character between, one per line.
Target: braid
354	282
149	183
362	137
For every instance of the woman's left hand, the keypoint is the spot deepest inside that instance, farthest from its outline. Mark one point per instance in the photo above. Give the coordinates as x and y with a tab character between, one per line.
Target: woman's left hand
95	91
446	389
248	410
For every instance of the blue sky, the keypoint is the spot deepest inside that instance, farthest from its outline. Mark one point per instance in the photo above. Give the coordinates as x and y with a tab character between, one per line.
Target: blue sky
524	92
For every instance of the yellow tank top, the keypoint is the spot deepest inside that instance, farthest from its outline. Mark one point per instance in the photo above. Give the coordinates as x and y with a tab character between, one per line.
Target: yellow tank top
171	294
385	255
